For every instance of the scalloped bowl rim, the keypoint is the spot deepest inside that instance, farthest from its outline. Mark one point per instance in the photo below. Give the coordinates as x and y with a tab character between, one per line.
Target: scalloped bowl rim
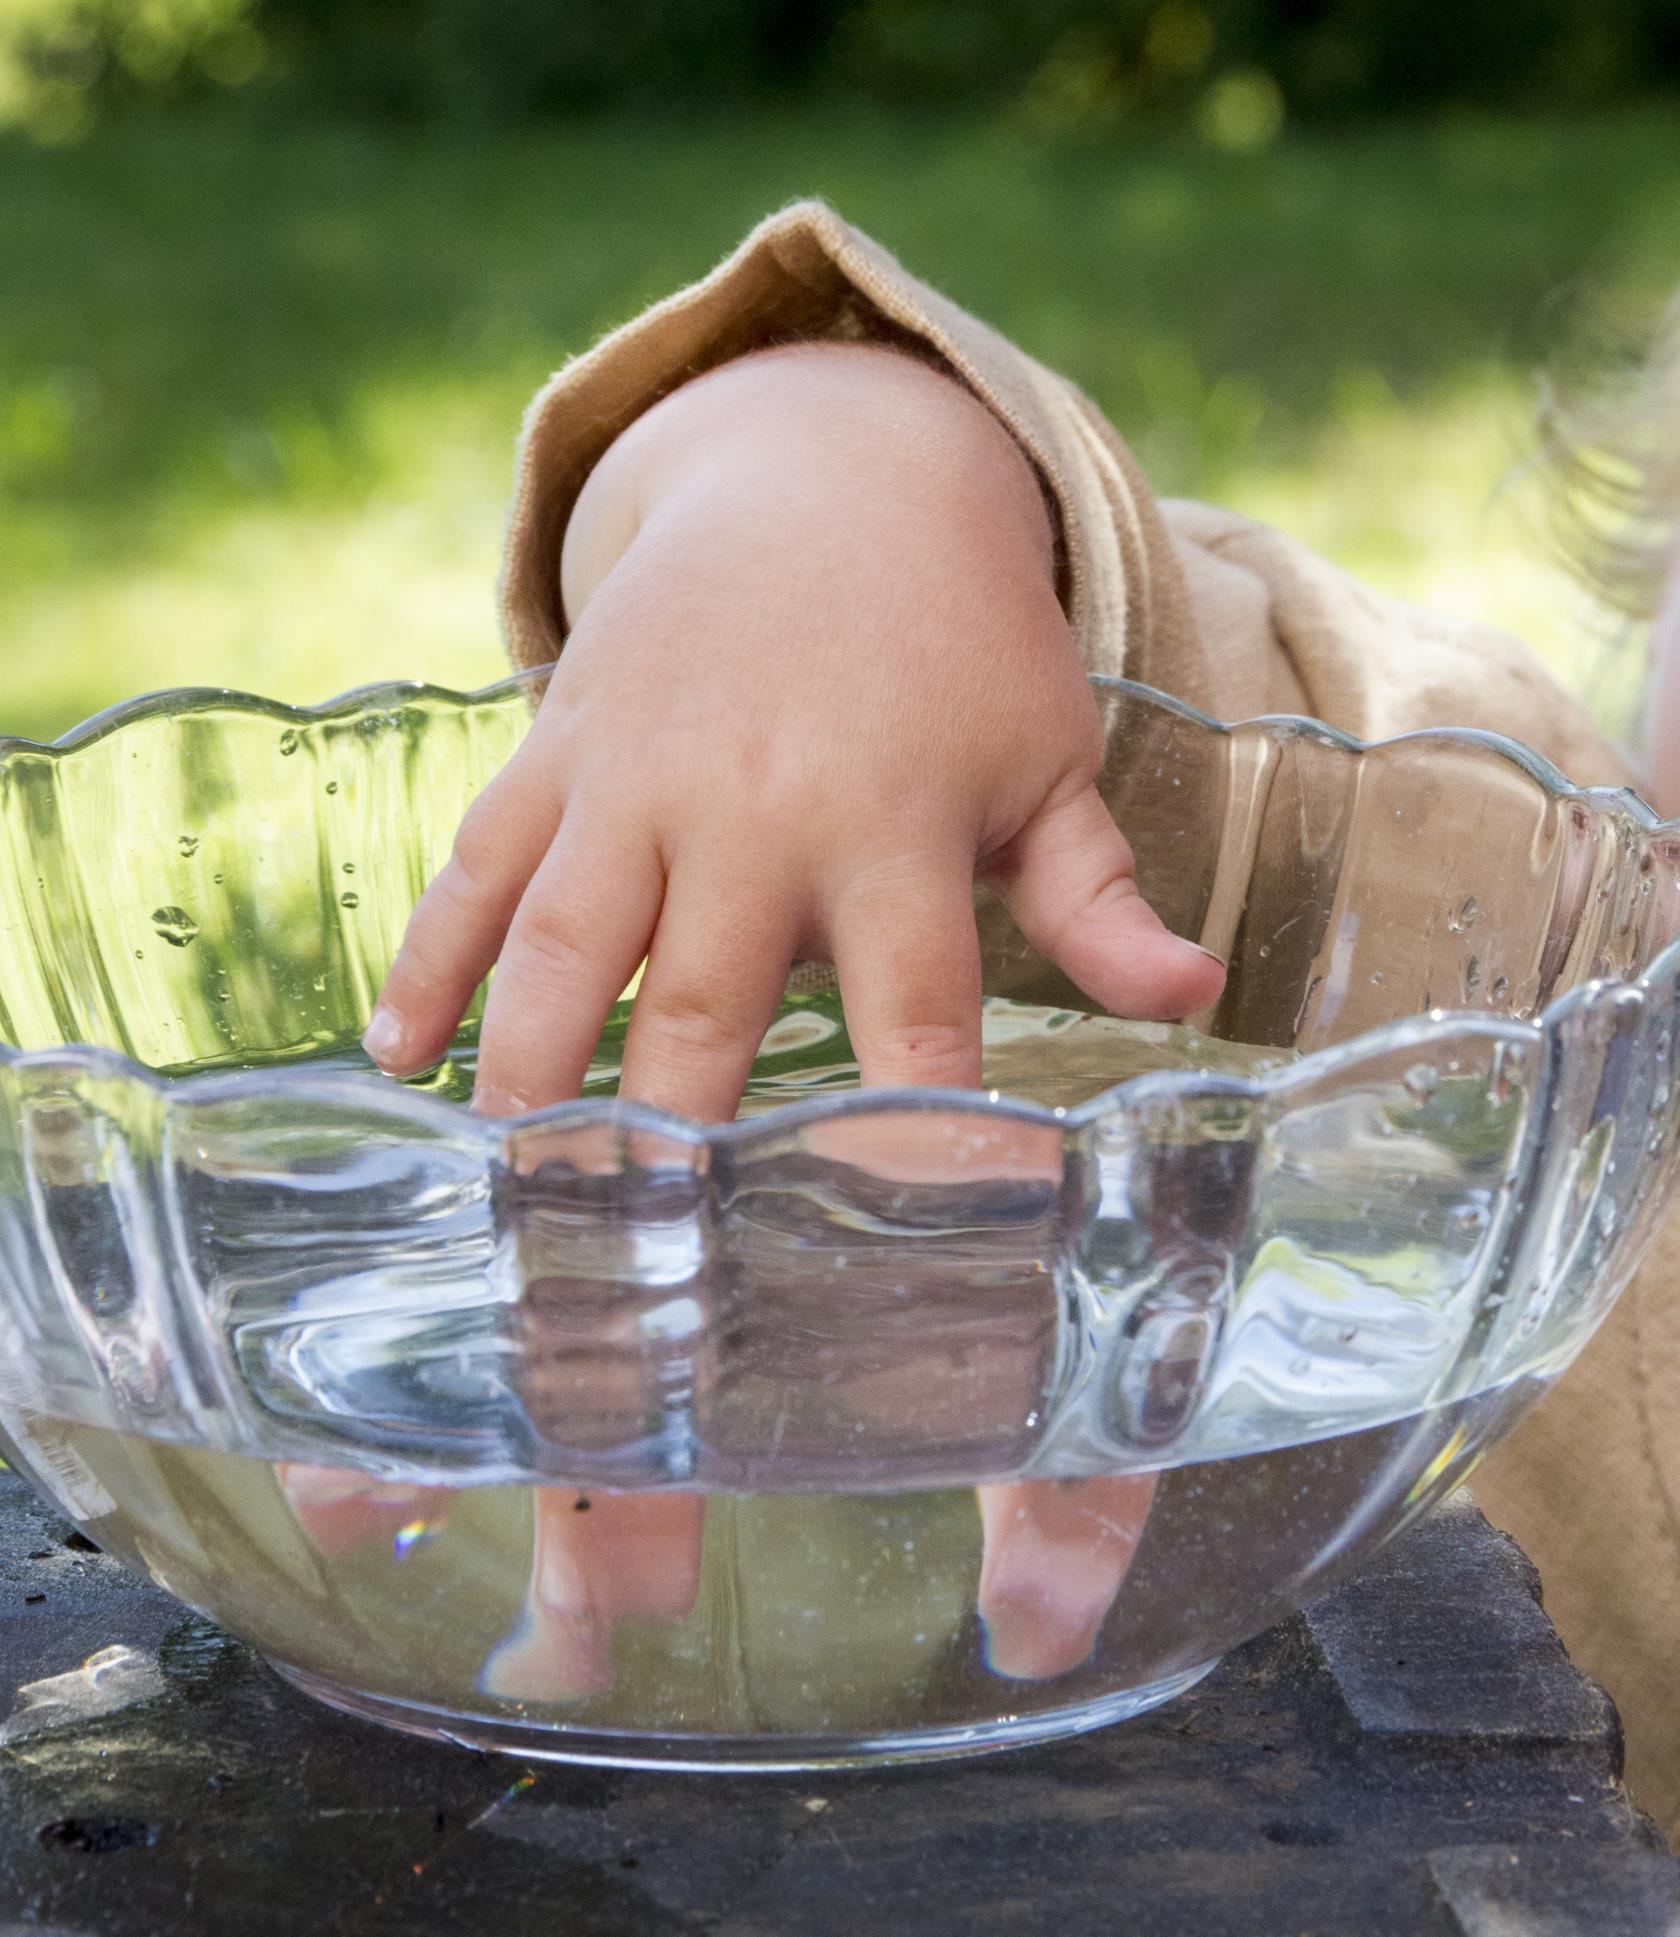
1415	1031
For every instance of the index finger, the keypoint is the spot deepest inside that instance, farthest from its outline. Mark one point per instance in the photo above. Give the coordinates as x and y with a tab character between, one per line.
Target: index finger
580	931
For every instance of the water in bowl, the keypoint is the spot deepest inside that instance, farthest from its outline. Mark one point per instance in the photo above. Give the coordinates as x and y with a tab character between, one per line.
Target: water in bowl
1057	1057
768	1630
773	1629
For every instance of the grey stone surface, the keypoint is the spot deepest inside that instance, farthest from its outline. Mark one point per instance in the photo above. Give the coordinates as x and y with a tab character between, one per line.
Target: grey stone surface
1415	1754
1426	1650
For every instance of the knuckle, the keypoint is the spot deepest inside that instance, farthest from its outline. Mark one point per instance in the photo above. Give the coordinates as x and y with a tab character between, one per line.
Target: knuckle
1113	897
925	1050
414	980
688	1021
545	935
1073	810
421	963
1115	893
474	852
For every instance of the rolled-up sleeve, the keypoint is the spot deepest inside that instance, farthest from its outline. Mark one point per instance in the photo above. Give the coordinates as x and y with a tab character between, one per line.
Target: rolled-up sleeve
803	275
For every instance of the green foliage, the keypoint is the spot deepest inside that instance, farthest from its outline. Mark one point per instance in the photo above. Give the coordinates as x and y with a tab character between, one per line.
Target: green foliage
502	60
61	59
259	385
1080	63
1233	69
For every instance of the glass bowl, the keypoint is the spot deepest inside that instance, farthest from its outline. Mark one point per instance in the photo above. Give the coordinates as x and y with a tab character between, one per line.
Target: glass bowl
871	1425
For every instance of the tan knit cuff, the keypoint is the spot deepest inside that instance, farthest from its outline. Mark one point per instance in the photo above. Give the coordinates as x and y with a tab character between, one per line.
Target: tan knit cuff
804	274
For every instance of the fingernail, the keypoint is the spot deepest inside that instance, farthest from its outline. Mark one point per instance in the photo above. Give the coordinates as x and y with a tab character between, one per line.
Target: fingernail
383	1039
488	1100
1208	952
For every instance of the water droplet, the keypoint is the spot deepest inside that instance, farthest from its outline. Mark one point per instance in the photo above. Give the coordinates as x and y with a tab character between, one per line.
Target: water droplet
332	786
1465	919
188	844
289	740
1472	976
175	925
1468	1219
349	867
350	899
217	879
1421	1080
139	955
1644	887
1500	988
1376	978
1265	951
319	985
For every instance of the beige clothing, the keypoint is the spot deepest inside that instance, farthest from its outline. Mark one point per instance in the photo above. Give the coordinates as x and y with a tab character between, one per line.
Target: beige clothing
1238	620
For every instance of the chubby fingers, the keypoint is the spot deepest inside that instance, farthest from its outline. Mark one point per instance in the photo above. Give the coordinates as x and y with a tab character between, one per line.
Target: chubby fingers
1069	880
459	924
908	955
713	983
580	931
597	1559
1056	1555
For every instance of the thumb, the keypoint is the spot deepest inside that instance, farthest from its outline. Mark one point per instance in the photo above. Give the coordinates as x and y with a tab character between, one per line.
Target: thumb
1068	879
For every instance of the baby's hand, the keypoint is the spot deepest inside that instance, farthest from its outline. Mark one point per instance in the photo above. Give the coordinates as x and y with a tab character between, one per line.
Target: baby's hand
818	678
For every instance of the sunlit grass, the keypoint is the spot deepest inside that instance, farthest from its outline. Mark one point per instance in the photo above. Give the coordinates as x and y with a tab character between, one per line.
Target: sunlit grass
279	592
1441	503
258	389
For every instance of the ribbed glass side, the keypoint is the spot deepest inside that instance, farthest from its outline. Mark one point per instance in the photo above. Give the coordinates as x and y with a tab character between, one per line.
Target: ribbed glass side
903	1422
310	1262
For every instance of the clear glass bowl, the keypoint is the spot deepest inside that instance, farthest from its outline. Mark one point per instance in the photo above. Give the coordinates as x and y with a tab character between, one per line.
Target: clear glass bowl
877	1425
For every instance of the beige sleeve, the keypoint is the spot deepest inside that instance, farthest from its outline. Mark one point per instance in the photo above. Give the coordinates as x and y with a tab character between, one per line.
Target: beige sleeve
1287	631
1214	608
804	274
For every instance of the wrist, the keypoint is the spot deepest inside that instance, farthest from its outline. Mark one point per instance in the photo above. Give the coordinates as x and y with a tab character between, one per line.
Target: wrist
826	423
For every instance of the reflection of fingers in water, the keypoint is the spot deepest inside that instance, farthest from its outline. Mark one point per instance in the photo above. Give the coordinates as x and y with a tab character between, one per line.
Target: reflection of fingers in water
342	1510
949	1148
598	1558
1055	1555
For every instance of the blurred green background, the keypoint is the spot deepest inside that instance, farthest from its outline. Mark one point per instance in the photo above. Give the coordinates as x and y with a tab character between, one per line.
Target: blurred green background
278	276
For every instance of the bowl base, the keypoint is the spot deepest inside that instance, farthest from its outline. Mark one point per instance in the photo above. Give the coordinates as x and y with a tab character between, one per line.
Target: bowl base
737	1754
